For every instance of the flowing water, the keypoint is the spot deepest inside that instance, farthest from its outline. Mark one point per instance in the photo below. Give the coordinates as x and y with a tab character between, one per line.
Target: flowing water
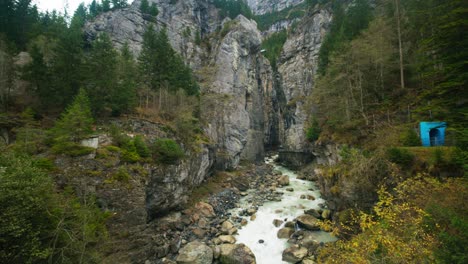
290	207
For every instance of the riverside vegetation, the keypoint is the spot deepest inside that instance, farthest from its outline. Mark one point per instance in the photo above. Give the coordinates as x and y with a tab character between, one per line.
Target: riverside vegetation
382	67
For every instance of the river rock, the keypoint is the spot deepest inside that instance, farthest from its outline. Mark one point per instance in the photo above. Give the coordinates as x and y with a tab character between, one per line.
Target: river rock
283	180
226	226
310	197
290	224
236	254
294	254
308	222
277	222
199	233
290	189
253	217
227	239
313	213
244	222
205	209
285	232
308	260
195	253
251	211
303	196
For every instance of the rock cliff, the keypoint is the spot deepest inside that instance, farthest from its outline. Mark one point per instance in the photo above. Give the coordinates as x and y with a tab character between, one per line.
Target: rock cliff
297	67
260	7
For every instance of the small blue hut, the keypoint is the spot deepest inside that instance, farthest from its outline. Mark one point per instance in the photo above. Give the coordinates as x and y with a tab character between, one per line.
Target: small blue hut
432	133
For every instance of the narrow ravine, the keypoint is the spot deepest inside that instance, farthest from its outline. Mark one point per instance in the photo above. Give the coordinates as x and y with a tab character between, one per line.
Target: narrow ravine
260	234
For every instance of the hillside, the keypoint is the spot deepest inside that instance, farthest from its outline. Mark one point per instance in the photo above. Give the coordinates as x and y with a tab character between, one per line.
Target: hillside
231	131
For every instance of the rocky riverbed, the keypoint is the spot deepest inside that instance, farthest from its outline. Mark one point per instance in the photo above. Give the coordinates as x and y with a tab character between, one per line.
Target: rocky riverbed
265	215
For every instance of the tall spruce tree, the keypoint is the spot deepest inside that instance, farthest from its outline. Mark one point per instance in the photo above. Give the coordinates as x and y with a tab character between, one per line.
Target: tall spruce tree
101	74
76	122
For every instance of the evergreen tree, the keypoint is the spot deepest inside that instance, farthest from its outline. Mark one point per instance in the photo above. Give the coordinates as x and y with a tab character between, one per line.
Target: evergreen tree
106	5
101	74
76	122
124	96
144	6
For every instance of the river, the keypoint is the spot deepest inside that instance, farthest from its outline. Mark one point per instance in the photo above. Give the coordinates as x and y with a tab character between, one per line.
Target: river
290	207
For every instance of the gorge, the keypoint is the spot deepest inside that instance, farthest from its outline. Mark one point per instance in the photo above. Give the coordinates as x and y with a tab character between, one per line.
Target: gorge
233	131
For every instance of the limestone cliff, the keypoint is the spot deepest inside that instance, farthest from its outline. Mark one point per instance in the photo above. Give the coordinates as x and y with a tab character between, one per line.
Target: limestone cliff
260	7
297	67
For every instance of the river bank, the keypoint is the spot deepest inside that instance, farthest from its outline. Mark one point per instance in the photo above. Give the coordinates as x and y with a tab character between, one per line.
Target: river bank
265	214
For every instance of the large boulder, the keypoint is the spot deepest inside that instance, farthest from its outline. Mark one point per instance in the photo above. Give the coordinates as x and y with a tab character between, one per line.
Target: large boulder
195	253
283	180
236	254
285	232
294	254
205	209
308	222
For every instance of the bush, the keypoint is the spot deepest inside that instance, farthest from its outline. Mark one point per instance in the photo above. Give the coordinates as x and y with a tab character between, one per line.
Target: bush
167	151
71	149
40	225
141	147
400	156
121	175
313	132
410	139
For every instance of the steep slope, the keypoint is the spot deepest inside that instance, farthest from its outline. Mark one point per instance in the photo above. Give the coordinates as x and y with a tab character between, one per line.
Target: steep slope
297	67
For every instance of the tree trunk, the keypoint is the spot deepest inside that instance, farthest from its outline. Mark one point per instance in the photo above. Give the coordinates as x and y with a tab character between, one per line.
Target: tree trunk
402	74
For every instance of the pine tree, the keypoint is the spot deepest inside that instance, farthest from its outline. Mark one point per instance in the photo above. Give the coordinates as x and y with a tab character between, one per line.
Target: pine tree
101	74
144	7
124	96
76	122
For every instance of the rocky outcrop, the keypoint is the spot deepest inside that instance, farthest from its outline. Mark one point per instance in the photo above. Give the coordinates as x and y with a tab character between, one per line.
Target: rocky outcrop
297	68
234	104
183	20
260	7
169	186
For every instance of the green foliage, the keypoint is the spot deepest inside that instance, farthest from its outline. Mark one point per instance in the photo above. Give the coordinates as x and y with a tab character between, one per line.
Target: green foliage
71	149
141	147
160	66
145	8
400	156
410	138
76	123
233	8
346	25
313	132
39	225
121	175
273	46
167	151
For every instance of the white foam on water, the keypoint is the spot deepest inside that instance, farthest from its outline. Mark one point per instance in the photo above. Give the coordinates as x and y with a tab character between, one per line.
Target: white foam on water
290	207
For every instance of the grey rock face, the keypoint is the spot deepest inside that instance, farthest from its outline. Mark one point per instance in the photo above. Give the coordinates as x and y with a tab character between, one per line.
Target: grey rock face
169	186
267	6
297	69
182	19
234	104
